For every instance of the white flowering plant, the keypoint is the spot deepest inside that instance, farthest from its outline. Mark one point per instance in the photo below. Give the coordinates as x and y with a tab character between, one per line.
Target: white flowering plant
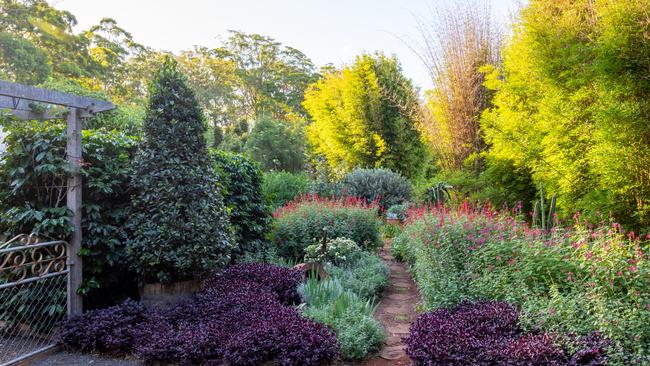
338	251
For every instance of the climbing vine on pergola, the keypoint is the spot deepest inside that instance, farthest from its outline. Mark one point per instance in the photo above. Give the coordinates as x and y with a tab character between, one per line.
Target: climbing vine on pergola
25	102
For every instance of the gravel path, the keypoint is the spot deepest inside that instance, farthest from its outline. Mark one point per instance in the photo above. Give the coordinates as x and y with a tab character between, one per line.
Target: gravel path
76	359
396	312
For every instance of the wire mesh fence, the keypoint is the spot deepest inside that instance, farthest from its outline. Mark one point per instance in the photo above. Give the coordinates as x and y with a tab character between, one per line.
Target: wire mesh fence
33	296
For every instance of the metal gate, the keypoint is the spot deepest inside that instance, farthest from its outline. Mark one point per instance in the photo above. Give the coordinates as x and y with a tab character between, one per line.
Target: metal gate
33	296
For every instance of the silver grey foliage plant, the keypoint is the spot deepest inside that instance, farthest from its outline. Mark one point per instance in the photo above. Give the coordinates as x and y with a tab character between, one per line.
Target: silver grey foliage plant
384	186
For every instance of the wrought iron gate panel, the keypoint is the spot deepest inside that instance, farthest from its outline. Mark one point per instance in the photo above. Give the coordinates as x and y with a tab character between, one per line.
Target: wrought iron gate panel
33	295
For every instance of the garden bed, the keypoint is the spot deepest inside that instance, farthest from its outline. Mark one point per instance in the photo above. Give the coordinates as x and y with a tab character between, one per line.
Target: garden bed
242	317
565	283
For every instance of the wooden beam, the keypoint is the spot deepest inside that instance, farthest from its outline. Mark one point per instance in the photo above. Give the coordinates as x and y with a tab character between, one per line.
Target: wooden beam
26	115
14	104
22	109
75	265
29	93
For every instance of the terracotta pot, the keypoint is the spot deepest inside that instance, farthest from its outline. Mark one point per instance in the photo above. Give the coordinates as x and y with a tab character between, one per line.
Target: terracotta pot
158	294
393	220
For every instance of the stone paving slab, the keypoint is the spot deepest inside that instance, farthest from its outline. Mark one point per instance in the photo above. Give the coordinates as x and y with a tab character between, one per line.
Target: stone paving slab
396	311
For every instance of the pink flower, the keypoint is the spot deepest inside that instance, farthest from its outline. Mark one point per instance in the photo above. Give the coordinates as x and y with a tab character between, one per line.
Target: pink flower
632	269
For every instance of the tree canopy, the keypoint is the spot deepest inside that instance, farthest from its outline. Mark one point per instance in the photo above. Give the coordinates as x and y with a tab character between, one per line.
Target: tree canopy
572	104
272	77
363	115
277	145
563	101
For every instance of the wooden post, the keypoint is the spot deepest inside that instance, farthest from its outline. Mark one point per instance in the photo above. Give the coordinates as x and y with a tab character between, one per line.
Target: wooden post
17	98
73	152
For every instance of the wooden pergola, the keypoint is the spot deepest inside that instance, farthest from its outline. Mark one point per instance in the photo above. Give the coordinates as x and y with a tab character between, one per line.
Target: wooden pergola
20	101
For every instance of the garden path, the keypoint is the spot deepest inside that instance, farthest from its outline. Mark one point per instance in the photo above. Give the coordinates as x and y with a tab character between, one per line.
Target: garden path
396	312
77	359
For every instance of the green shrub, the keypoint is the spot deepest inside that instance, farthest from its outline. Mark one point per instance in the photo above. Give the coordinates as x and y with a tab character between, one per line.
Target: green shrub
400	245
367	275
33	175
359	335
240	178
377	185
390	230
324	188
573	280
338	251
300	224
282	187
500	182
178	227
350	315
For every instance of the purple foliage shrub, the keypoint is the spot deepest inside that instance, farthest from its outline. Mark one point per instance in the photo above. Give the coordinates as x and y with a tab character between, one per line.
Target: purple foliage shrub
591	350
537	349
240	318
109	330
462	336
282	281
486	333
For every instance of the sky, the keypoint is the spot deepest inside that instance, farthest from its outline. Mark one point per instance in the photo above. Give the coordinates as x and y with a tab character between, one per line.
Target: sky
327	31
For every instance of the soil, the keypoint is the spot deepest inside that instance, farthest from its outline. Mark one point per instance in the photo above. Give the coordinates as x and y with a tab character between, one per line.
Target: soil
396	312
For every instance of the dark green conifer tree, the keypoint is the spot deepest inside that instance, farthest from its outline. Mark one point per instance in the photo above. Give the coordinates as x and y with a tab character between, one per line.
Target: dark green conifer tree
179	227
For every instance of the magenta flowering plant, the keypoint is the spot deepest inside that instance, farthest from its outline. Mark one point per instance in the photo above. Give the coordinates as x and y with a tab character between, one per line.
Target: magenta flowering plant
307	219
575	279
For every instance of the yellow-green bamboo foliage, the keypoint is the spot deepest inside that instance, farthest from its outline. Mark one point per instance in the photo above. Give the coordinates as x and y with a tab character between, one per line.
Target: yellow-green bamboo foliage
572	104
363	116
457	43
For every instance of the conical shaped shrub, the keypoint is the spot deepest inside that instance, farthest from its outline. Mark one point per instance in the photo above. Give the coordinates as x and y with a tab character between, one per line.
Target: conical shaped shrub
179	228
